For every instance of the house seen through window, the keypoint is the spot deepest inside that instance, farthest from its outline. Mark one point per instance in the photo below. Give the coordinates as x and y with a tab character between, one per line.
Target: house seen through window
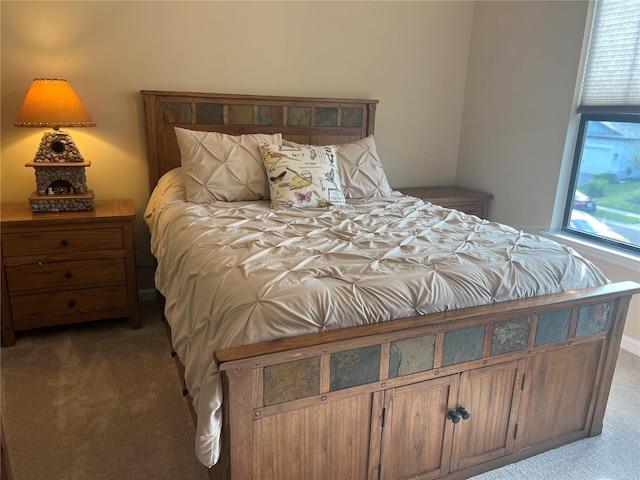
603	198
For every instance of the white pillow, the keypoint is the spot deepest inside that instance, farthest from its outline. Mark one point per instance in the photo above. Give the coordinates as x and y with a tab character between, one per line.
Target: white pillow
228	168
361	170
302	175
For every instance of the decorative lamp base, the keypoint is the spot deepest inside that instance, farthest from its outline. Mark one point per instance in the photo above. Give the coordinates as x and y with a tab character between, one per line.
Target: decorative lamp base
61	203
57	146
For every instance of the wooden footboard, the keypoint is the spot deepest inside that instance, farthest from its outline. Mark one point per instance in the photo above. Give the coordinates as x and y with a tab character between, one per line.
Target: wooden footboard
446	395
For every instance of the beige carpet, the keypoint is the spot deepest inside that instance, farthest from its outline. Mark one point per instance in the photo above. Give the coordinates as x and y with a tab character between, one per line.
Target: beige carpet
101	401
97	401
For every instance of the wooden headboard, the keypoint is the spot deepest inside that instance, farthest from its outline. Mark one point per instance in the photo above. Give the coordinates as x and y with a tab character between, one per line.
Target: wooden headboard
318	121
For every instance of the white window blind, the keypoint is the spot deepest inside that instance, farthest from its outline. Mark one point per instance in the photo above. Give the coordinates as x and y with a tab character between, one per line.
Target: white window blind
612	70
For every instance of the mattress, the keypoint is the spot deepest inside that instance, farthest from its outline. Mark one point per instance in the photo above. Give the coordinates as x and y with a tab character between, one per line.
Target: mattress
236	273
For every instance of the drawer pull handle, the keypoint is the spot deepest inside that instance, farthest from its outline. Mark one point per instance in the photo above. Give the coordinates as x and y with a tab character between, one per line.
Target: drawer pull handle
72	303
64	243
67	275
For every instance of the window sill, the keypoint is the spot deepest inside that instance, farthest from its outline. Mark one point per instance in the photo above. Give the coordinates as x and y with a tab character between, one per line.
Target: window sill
597	252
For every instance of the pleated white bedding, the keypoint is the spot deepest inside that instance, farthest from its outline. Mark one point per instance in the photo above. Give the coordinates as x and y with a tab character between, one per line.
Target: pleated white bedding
240	273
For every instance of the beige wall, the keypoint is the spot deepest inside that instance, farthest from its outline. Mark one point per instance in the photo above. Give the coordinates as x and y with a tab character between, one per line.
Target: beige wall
523	67
478	93
412	56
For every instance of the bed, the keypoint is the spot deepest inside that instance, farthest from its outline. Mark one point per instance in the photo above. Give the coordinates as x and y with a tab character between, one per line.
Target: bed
372	335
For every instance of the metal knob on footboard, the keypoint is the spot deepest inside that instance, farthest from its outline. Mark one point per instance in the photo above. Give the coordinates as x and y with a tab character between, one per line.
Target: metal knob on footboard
453	416
459	413
463	413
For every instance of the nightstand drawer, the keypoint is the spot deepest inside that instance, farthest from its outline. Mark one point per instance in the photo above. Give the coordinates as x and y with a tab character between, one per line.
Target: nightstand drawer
64	275
61	241
462	199
477	210
54	304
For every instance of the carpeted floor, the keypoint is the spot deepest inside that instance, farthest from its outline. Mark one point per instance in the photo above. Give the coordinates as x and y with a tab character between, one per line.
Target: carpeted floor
97	401
100	401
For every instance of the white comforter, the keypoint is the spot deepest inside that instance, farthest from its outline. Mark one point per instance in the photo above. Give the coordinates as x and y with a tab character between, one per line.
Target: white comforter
240	273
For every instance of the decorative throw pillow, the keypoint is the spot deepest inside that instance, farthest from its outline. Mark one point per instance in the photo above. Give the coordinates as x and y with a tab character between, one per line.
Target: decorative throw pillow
223	167
302	175
361	170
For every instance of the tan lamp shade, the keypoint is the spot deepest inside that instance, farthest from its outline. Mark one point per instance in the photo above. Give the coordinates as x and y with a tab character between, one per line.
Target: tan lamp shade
51	102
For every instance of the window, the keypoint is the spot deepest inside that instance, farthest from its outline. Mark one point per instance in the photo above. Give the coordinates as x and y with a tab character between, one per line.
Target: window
603	198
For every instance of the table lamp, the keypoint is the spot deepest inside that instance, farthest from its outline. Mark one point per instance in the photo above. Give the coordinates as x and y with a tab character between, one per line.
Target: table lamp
60	168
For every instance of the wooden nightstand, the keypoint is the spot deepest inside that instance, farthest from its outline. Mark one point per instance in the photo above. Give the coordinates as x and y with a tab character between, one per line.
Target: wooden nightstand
60	268
466	200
